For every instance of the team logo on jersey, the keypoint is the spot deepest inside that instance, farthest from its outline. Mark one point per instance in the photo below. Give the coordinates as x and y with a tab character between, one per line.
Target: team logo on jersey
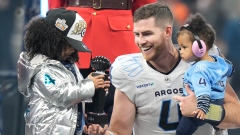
167	79
200	67
145	85
131	66
147	110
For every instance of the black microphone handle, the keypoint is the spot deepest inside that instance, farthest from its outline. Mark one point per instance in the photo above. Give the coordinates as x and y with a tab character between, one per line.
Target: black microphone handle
99	96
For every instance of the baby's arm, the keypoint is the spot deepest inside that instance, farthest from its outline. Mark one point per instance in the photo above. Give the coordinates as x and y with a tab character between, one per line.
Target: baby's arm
203	102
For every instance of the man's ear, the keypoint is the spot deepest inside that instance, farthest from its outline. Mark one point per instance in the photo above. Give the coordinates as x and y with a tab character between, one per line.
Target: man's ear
168	31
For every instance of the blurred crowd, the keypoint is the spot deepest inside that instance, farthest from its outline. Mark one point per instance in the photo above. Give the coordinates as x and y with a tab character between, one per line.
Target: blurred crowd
223	15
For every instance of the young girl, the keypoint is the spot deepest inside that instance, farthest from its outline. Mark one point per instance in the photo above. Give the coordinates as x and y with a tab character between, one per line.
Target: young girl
47	73
207	75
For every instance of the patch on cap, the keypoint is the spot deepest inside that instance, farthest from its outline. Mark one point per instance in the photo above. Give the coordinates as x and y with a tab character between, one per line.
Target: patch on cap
61	24
78	28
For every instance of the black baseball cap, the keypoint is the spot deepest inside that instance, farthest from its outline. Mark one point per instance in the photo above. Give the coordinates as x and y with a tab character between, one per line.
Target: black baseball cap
71	24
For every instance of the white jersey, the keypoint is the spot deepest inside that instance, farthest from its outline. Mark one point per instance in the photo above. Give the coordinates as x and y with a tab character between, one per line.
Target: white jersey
152	93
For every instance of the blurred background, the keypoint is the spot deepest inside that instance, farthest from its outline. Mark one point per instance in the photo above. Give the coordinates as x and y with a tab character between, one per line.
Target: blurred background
223	15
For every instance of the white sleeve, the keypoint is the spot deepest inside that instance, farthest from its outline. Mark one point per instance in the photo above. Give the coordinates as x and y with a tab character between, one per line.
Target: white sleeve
121	80
214	50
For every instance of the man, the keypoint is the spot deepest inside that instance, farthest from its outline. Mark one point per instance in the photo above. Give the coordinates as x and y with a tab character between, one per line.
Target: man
146	83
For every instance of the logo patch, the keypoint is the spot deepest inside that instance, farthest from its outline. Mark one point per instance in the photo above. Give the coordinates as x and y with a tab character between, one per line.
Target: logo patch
167	79
61	24
200	67
27	111
48	80
79	28
145	86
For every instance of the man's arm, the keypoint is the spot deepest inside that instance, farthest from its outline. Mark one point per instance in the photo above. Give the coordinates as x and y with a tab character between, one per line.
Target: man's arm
123	115
232	108
231	105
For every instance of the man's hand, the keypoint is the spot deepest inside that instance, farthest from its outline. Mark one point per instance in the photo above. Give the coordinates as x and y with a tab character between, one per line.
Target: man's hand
188	104
95	129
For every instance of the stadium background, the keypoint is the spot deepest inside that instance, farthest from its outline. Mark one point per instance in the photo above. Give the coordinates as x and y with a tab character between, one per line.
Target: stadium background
223	15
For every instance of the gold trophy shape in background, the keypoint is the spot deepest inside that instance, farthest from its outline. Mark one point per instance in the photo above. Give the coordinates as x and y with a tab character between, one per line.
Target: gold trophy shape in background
96	115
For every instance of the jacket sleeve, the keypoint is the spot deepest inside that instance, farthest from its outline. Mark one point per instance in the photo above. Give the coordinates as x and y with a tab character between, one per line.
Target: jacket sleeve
139	3
56	3
59	87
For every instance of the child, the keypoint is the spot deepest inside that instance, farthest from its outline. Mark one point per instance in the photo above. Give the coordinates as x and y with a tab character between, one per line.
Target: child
47	73
207	75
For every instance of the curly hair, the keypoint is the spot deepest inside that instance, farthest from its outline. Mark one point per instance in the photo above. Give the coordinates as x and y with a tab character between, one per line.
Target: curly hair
204	30
41	38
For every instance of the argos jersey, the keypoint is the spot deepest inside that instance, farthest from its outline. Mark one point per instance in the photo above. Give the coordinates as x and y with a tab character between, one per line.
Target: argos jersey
152	93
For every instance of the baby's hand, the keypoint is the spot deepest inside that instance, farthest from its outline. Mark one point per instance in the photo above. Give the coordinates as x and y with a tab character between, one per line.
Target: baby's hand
200	114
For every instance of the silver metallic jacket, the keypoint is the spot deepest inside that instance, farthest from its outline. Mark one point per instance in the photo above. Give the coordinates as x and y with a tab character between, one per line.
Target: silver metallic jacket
54	94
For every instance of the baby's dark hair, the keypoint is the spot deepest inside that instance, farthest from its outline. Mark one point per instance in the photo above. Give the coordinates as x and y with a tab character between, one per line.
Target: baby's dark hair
41	38
197	23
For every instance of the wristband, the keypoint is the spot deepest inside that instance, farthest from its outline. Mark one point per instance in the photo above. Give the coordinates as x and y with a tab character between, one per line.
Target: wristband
215	113
111	133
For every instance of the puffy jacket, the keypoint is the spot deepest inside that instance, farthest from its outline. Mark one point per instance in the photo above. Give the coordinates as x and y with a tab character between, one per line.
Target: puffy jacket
54	94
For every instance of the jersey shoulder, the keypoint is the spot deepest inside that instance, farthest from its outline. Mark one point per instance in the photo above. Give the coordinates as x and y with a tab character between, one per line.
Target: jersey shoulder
214	50
131	66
